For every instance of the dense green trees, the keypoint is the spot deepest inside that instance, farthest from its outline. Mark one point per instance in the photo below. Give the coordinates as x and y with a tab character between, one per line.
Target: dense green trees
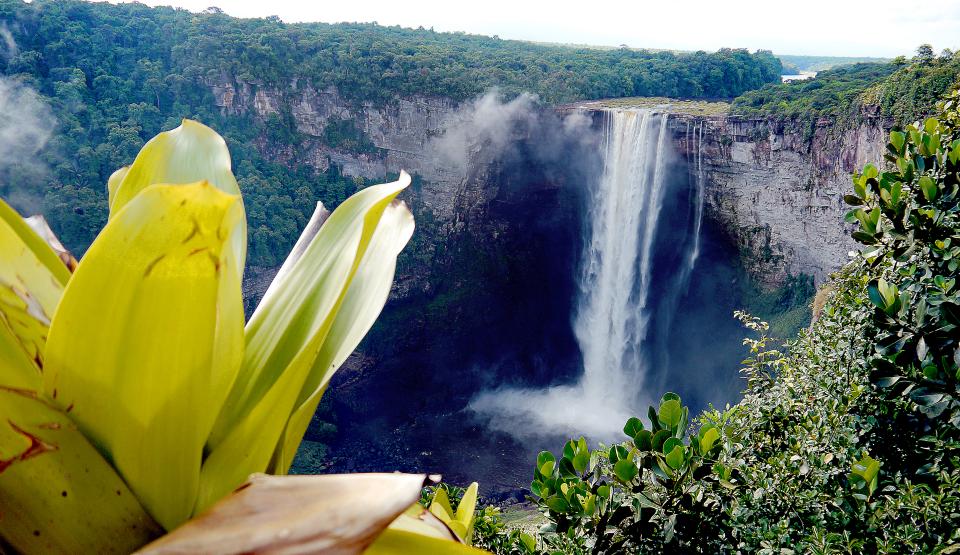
115	75
905	90
831	94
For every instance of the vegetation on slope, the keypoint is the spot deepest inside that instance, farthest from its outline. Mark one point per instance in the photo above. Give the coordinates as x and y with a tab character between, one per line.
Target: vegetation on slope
846	441
905	90
830	94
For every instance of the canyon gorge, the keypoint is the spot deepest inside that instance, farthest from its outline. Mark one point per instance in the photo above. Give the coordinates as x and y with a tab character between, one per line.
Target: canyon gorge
501	198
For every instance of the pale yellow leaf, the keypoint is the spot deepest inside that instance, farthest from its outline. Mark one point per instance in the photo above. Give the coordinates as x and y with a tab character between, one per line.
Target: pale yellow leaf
57	494
335	514
149	335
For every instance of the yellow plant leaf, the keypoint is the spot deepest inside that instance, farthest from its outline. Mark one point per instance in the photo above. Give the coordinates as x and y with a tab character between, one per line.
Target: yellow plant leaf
284	338
57	493
420	520
402	542
113	183
362	304
339	514
190	153
466	509
16	369
32	278
468	503
440	506
148	338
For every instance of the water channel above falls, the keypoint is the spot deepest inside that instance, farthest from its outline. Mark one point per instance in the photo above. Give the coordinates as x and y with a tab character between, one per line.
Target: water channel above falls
653	287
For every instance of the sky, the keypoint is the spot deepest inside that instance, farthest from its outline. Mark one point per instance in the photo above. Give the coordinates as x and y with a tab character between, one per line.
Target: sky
883	28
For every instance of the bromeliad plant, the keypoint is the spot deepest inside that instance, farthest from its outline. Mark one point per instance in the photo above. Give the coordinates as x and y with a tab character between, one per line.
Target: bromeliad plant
132	396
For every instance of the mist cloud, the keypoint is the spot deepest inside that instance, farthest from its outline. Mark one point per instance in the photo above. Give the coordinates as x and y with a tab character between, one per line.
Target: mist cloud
488	122
26	124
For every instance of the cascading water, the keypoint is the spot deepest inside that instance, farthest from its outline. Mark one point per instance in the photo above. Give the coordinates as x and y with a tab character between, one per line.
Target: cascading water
615	287
626	279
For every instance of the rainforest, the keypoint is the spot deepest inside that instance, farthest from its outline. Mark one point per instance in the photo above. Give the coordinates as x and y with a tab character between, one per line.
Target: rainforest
622	300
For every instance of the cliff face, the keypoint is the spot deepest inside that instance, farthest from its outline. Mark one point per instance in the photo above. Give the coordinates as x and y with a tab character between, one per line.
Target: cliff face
777	188
398	133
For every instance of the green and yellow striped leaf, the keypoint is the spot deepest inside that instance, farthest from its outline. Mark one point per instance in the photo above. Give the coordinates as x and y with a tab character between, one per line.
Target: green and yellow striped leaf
148	338
288	331
362	304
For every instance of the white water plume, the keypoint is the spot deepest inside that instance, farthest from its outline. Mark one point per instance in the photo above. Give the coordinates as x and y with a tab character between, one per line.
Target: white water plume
616	286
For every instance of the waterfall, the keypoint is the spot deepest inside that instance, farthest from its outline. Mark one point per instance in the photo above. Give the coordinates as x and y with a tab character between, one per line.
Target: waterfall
615	284
621	290
694	252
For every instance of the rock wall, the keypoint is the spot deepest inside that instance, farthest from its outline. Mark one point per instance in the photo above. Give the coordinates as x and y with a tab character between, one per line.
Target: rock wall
777	187
400	131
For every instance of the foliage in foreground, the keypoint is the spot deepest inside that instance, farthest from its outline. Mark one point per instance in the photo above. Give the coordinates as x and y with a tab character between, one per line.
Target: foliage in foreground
133	397
847	441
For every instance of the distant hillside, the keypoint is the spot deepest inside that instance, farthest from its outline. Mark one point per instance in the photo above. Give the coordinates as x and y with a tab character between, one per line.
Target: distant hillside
903	91
793	65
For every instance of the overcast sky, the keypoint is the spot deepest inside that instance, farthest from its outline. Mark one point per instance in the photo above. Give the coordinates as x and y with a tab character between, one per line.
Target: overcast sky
821	27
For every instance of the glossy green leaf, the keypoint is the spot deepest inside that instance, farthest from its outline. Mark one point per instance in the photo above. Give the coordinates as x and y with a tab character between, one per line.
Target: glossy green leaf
897	139
145	368
708	440
928	187
675	456
643	440
544	456
625	469
557	504
656	443
529	542
581	461
547	468
670	413
669	444
632	426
